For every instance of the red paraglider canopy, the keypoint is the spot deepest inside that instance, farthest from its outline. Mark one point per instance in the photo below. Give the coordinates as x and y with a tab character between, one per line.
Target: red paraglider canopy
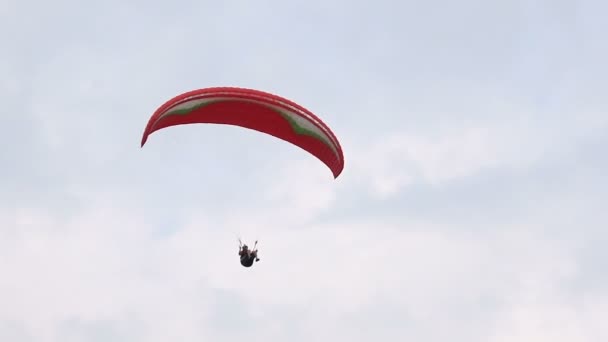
256	110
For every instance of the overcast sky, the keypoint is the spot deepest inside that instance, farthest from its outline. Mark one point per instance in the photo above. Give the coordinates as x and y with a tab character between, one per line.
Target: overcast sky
472	207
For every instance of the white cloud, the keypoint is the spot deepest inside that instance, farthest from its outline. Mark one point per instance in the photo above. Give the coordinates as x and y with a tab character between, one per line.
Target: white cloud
552	318
492	133
107	265
400	160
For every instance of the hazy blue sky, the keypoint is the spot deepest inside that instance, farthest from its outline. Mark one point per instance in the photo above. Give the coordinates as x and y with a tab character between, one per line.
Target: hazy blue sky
472	208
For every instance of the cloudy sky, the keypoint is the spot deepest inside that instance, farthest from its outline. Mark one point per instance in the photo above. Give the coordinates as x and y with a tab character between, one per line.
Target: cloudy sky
472	207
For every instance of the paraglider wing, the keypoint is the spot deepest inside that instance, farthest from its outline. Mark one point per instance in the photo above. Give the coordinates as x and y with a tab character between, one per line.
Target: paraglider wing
256	110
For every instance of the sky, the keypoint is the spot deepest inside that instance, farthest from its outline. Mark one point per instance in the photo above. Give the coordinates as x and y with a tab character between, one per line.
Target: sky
472	206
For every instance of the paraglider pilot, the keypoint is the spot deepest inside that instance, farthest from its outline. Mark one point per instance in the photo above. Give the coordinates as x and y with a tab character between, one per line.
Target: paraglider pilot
248	256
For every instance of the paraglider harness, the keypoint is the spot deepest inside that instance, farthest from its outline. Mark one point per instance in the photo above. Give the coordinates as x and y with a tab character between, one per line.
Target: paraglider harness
248	256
